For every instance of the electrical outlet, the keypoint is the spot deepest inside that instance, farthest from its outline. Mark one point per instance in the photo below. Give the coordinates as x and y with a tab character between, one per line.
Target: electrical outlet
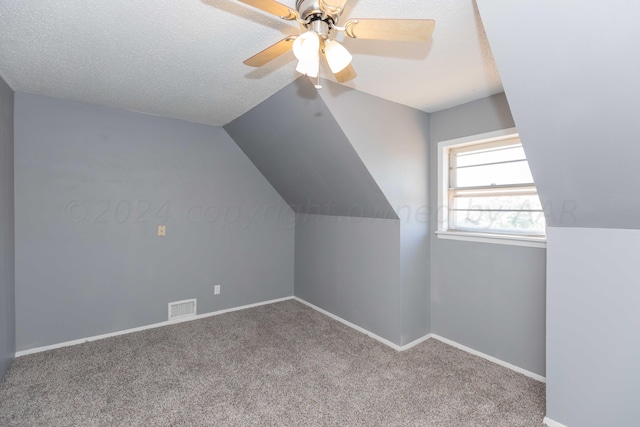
216	290
162	230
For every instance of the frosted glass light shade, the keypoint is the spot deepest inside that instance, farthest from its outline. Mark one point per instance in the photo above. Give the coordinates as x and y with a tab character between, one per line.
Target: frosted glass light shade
309	66
306	46
337	55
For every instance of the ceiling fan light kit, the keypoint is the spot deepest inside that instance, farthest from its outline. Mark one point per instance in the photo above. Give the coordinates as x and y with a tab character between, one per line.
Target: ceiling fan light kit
338	57
309	67
319	18
307	49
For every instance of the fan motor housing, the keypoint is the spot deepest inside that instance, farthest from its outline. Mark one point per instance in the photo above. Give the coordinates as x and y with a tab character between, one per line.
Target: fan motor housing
309	8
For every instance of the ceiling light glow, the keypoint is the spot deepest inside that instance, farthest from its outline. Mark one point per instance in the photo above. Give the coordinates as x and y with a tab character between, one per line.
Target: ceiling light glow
306	46
337	55
309	66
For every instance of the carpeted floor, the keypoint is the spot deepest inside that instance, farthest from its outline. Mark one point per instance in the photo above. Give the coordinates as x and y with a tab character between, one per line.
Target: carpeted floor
282	364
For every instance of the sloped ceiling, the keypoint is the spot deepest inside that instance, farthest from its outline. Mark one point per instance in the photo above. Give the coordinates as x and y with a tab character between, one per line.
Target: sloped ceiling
183	58
571	75
296	143
391	139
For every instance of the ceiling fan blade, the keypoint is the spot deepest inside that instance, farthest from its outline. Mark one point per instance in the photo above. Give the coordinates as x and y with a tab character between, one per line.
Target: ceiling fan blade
349	73
273	7
271	53
410	30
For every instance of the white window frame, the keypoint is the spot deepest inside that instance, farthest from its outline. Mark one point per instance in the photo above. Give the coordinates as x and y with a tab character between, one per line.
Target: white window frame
443	231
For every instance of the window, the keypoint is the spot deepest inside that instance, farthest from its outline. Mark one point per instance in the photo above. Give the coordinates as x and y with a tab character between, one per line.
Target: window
487	192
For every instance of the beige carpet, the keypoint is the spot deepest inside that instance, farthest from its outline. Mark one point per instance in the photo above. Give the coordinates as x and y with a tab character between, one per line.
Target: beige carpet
278	365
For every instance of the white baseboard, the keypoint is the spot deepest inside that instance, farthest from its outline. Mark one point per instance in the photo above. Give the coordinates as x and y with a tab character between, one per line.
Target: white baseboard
143	328
491	358
550	423
384	341
358	328
423	339
416	342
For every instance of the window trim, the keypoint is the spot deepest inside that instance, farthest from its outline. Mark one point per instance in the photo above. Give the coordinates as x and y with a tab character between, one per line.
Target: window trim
443	231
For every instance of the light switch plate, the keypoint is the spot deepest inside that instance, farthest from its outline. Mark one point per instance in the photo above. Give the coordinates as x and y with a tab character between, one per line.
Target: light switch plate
162	230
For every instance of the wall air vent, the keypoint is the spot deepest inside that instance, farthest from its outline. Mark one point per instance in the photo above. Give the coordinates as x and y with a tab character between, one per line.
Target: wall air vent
180	309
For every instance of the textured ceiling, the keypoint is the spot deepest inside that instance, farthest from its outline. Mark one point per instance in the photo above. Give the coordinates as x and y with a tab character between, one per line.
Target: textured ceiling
183	58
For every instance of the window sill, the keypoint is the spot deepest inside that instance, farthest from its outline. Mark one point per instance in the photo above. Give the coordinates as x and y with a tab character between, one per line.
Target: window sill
496	239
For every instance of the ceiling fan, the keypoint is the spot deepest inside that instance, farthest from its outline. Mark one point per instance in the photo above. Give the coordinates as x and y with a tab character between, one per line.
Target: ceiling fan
319	18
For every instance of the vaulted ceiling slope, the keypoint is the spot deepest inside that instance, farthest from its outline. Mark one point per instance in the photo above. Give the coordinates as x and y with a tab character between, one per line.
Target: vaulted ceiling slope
570	71
296	143
391	139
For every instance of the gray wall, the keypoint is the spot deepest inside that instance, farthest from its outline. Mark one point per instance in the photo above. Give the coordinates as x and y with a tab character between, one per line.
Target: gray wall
491	298
321	151
570	71
393	142
298	146
593	343
7	247
574	95
350	267
485	296
85	265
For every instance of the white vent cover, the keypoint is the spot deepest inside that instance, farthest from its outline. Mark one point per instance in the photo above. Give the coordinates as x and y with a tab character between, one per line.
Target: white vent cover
179	309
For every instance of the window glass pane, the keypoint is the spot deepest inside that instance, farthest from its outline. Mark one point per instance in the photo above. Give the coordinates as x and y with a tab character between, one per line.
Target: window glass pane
497	203
491	190
528	223
500	174
500	154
